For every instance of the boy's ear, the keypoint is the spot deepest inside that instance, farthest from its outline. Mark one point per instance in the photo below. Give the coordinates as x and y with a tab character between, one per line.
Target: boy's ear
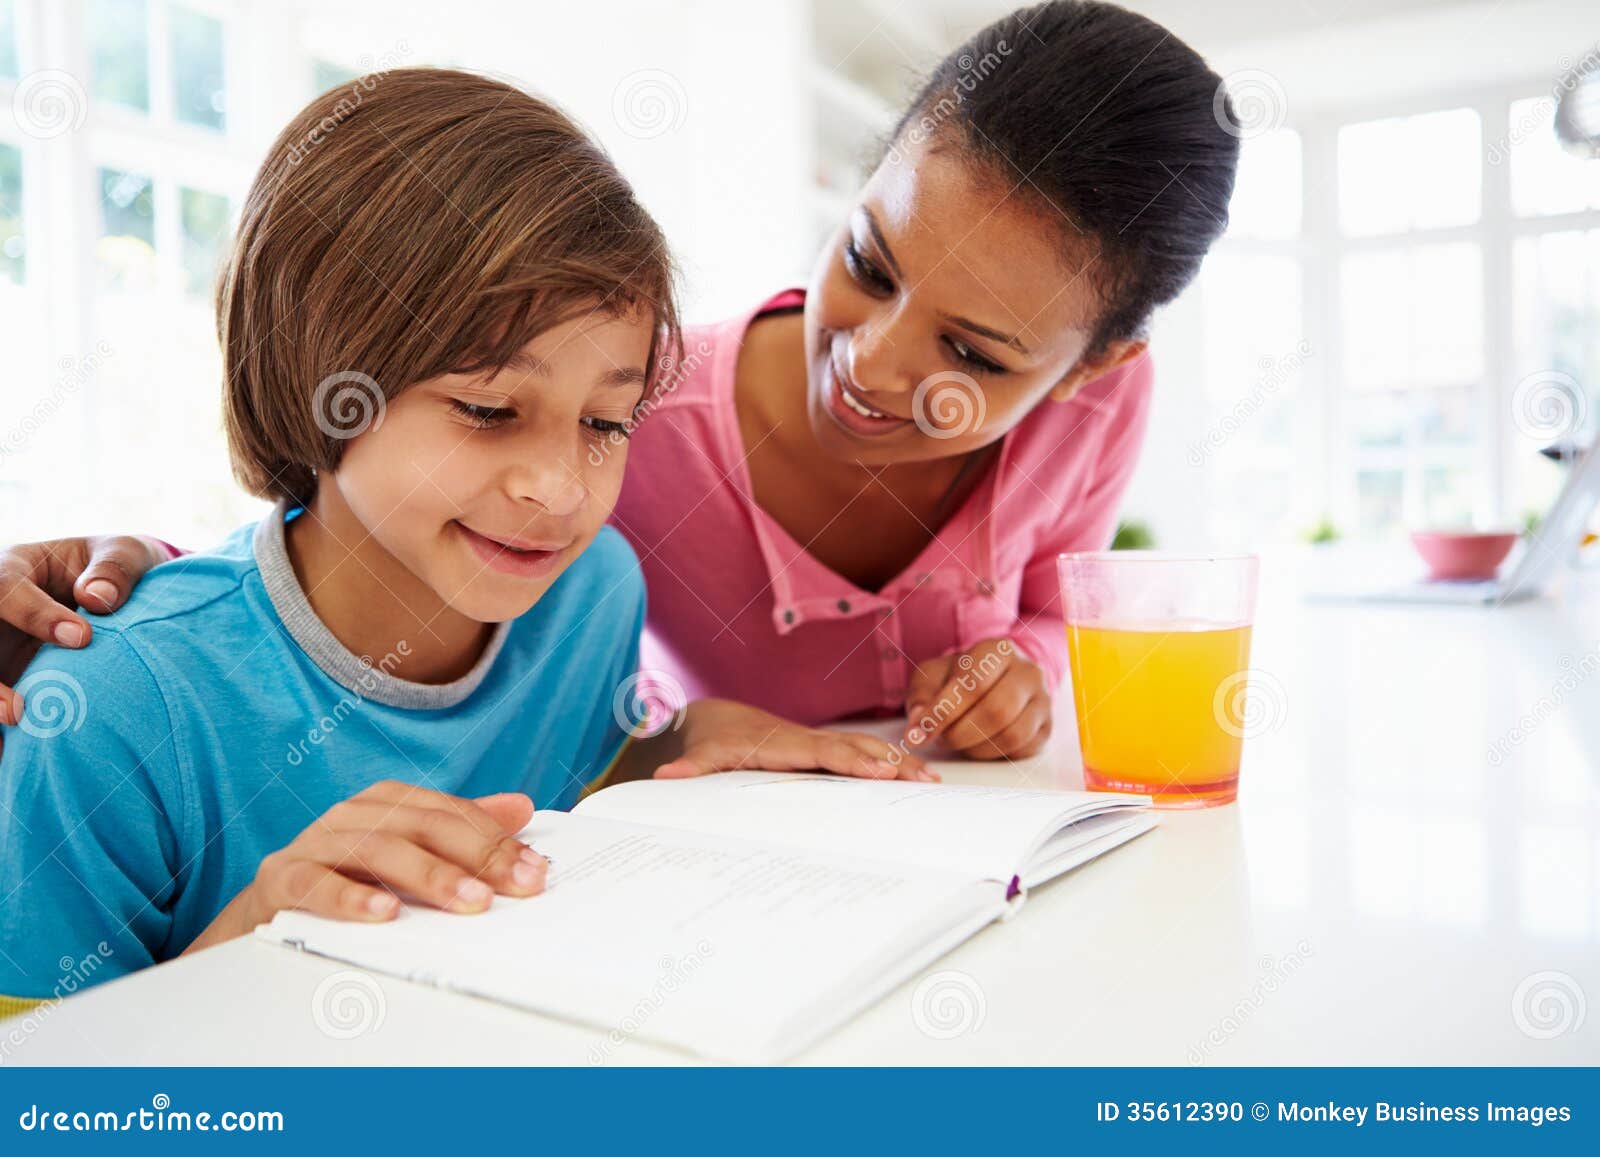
1115	354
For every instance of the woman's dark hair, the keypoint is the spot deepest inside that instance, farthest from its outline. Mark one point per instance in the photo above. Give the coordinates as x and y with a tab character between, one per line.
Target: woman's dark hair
1108	119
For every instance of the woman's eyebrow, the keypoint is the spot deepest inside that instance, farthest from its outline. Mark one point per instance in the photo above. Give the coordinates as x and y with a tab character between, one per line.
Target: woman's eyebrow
984	331
877	239
1004	339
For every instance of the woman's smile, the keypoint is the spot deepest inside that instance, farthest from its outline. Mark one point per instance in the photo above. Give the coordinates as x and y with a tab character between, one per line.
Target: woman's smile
846	405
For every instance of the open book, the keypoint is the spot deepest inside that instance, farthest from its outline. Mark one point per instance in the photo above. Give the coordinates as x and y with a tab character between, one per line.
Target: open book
743	915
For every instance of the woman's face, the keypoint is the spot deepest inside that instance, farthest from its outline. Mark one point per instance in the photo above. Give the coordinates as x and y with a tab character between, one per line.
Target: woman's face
943	312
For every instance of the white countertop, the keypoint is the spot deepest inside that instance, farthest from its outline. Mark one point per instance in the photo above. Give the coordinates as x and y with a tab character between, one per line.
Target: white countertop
1411	876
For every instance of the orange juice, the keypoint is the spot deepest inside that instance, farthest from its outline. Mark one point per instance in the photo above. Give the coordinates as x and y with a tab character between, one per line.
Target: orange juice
1158	708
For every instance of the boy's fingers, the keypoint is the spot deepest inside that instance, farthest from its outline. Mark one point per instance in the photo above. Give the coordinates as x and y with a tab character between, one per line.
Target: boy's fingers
316	888
116	564
29	609
414	869
502	863
510	809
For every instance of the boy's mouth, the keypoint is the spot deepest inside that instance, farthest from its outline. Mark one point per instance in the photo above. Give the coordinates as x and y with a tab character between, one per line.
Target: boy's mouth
526	558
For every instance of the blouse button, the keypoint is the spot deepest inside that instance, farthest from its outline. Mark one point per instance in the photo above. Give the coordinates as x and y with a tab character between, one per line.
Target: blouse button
985	587
844	606
788	618
887	654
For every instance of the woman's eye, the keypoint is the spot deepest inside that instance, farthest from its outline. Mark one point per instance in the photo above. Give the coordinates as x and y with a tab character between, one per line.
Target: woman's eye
972	358
483	416
608	428
864	271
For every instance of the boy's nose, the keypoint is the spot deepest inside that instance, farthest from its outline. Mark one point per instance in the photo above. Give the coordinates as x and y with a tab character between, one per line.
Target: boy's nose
548	482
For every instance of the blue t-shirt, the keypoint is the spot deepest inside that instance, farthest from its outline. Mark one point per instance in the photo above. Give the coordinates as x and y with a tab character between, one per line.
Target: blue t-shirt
214	717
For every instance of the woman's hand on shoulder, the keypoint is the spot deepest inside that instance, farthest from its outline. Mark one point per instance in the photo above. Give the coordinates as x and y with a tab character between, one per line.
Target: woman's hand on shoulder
41	582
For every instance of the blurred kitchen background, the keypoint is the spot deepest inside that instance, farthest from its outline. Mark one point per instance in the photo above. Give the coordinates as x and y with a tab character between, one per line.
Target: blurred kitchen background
1406	307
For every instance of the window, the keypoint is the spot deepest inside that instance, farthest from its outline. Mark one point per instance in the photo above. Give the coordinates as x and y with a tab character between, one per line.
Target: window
8	40
13	246
119	49
1442	268
198	96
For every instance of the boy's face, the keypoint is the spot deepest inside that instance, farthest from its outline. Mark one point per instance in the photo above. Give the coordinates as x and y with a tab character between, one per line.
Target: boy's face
486	488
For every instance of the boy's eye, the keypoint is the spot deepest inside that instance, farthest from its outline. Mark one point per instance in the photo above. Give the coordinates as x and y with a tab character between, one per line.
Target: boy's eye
864	271
972	358
482	415
606	427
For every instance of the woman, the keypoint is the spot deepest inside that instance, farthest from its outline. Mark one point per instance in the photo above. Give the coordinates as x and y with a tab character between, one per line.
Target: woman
849	500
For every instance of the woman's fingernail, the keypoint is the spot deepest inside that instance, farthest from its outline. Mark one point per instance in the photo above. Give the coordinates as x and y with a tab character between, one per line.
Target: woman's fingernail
102	589
473	892
381	904
529	856
68	634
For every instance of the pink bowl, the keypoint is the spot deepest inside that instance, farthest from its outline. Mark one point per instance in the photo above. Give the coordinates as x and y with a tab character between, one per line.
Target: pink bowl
1463	554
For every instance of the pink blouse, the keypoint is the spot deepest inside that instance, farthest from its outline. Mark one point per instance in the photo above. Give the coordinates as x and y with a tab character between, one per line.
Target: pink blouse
737	608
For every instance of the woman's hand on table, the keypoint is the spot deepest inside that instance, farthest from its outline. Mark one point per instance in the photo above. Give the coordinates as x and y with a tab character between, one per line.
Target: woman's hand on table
721	735
987	702
41	582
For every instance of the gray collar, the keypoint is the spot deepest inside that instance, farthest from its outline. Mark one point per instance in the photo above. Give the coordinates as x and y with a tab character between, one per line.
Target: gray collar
368	677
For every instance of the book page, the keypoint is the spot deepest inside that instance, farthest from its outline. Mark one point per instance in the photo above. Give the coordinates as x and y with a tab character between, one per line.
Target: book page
990	832
723	946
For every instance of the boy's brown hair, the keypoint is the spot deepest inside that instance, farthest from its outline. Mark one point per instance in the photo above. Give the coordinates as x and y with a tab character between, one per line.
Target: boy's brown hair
410	224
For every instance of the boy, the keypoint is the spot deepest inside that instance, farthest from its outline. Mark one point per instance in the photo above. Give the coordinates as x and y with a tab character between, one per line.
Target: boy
441	296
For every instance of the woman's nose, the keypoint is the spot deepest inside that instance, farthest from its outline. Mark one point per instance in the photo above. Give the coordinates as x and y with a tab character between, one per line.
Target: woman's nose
874	361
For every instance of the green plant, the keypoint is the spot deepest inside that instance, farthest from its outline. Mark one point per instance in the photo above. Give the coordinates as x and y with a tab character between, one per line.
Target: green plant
1321	531
1133	535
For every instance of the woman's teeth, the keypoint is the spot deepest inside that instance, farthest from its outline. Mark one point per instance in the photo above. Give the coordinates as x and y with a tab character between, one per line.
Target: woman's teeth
864	411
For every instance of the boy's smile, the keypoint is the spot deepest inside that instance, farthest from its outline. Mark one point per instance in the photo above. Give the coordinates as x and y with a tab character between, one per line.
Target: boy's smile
517	554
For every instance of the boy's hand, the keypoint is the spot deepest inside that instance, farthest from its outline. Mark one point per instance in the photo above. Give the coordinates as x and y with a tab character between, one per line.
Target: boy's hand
987	702
449	852
721	735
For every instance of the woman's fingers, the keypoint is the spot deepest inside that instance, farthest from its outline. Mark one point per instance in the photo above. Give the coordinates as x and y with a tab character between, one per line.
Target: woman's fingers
995	708
907	765
1022	737
116	564
25	606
